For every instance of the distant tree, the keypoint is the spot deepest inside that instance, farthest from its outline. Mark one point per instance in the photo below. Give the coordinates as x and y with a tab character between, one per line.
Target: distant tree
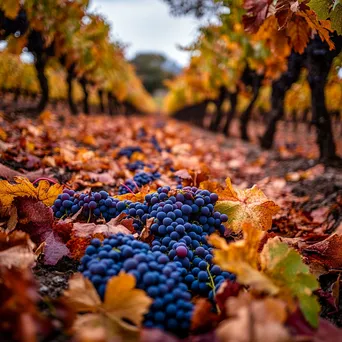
199	8
153	69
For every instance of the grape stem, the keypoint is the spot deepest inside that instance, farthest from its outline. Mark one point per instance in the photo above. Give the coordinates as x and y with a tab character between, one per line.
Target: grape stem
45	178
124	185
212	285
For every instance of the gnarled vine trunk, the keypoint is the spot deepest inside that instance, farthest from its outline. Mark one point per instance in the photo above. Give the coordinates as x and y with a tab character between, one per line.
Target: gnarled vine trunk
246	115
84	84
319	65
215	123
70	78
233	97
40	64
100	94
279	89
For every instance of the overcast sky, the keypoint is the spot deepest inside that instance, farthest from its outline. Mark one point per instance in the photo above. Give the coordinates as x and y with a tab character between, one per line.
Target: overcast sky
146	25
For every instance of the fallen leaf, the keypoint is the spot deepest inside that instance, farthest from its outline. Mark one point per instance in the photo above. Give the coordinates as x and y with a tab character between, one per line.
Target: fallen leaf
327	253
119	224
81	294
242	259
254	320
37	220
20	319
227	289
123	303
278	270
203	319
245	206
287	270
16	250
24	188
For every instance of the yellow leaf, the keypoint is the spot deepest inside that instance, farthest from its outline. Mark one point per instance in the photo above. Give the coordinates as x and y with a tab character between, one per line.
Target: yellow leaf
24	188
121	313
11	8
277	270
124	301
242	259
246	206
82	295
48	194
9	191
89	140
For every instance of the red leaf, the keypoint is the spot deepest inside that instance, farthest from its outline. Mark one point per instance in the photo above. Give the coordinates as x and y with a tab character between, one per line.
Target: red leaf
327	252
256	14
54	249
119	224
203	319
226	290
37	220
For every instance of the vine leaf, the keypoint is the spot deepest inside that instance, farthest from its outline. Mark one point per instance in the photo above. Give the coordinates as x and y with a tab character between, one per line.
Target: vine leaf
257	11
278	270
264	318
246	206
121	313
24	188
299	33
325	10
287	270
242	259
11	8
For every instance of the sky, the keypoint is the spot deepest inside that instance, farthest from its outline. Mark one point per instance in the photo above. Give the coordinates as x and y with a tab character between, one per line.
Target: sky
146	25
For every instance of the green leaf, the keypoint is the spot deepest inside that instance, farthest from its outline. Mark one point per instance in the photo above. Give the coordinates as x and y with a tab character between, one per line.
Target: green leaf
286	269
321	7
325	10
336	17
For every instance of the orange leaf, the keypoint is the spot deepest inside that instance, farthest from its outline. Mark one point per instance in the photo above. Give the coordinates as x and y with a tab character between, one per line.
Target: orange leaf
246	206
299	33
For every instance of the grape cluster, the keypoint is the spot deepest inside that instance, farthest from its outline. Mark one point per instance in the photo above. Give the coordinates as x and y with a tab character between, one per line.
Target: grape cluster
139	180
183	221
155	144
99	204
137	165
128	151
154	273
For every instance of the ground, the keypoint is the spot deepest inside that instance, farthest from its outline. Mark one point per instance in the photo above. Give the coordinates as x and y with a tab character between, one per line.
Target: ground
82	153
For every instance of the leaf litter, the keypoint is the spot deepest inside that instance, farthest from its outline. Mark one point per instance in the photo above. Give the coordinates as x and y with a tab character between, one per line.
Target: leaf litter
285	268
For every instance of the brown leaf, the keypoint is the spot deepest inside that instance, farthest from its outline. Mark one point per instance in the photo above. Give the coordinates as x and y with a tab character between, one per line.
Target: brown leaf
119	224
16	250
227	289
299	33
254	320
82	295
203	319
145	233
20	319
13	220
327	253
